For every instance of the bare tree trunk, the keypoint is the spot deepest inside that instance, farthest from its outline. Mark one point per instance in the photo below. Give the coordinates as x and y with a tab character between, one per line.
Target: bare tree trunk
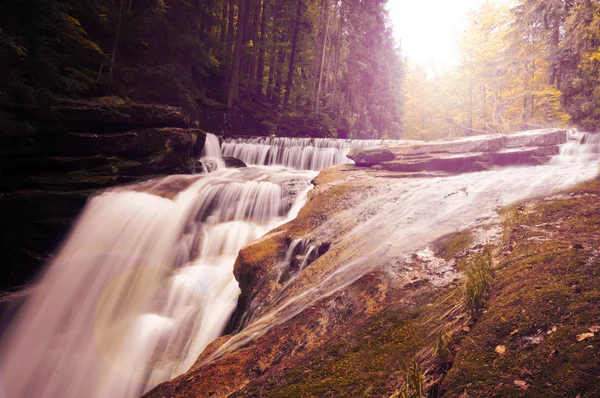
260	69
223	34
318	99
290	76
255	28
278	77
230	27
336	65
274	55
315	66
237	56
111	69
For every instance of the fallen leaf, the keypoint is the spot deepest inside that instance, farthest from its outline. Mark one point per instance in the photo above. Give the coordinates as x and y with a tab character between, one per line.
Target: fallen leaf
595	329
583	336
514	332
500	349
521	384
551	330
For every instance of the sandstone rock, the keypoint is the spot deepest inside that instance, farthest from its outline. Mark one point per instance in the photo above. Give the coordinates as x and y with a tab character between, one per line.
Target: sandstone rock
371	156
234	162
100	115
464	155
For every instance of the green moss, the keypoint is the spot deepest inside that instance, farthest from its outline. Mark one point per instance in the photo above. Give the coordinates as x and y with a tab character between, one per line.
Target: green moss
448	246
546	292
370	359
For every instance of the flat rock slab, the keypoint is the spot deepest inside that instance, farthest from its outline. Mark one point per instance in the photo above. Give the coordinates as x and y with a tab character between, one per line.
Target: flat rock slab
464	155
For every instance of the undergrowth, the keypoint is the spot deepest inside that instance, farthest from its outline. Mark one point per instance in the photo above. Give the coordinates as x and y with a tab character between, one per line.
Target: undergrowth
478	272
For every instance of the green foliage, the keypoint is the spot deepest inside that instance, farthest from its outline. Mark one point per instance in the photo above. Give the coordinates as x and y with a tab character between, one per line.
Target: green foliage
478	277
333	62
414	382
444	348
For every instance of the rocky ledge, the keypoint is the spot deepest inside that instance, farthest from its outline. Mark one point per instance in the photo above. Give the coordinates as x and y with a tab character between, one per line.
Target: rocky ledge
106	114
348	300
77	148
468	154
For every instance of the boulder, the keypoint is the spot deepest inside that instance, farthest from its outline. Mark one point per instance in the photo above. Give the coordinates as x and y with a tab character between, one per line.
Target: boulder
464	155
234	162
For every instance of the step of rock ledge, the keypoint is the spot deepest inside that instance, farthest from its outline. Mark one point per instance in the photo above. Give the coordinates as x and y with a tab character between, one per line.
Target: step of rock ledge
462	155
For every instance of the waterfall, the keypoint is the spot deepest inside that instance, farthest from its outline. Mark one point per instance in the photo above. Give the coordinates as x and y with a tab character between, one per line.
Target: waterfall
580	148
143	283
299	153
211	157
405	216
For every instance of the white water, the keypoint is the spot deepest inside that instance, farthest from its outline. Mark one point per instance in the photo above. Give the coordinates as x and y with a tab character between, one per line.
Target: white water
211	157
144	282
299	153
142	285
404	217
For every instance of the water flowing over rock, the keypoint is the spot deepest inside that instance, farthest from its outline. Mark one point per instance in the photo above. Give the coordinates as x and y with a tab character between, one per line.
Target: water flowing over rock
299	153
143	284
147	282
211	157
373	221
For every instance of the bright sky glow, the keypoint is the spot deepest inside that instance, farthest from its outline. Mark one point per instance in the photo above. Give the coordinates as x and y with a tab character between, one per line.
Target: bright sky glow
428	30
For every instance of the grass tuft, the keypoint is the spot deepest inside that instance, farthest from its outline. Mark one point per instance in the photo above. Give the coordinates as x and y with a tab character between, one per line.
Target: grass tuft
414	382
479	273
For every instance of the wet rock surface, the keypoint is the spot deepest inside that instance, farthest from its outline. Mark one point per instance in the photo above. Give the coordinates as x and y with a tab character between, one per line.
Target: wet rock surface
79	147
352	319
296	335
107	114
464	155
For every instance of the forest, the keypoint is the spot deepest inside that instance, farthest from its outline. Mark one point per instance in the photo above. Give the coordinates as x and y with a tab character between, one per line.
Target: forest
523	65
332	64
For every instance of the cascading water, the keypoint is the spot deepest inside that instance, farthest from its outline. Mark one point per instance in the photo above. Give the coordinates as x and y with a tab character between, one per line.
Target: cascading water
404	217
144	282
211	157
299	153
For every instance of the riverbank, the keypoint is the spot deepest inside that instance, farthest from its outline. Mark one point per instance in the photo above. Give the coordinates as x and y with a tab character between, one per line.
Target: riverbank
376	313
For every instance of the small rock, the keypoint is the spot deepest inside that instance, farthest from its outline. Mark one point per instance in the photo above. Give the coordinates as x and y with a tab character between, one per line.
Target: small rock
534	339
521	384
551	330
500	349
583	336
595	329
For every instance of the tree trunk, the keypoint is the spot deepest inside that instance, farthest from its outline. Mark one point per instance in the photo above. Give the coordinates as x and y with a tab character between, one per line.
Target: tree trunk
290	76
230	27
237	56
318	99
274	55
260	69
336	64
111	69
315	66
255	28
223	34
